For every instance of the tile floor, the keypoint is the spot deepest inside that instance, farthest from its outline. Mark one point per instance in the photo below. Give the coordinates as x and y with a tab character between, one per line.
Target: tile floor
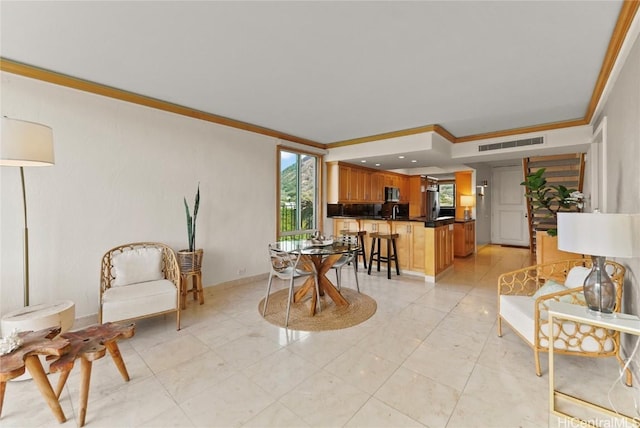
429	357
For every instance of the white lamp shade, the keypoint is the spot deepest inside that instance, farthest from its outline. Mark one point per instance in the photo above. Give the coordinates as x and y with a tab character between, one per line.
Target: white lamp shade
599	234
466	200
25	143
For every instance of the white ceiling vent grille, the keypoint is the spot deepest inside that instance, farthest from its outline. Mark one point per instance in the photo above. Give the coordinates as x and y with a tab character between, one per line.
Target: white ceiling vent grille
510	144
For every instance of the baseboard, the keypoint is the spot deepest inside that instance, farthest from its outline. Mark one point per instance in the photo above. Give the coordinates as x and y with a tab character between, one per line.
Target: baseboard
236	282
85	321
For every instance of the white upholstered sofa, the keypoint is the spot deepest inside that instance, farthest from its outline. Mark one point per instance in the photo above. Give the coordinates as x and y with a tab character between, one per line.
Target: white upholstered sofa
139	280
523	298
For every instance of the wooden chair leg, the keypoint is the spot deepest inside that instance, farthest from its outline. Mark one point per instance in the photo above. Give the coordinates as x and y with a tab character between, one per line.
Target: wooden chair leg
536	357
183	291
200	289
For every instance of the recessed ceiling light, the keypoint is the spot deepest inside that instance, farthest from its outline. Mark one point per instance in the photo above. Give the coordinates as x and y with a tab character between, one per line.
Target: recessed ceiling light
414	161
363	161
400	157
377	164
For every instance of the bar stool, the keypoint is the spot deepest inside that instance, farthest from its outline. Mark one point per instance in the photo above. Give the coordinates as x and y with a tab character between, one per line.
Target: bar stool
361	251
391	256
196	287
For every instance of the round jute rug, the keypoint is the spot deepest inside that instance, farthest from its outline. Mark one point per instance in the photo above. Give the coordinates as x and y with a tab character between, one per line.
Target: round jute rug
331	317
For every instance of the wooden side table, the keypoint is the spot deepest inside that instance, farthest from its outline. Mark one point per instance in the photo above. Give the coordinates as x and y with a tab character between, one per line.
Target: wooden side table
623	323
34	343
90	344
196	287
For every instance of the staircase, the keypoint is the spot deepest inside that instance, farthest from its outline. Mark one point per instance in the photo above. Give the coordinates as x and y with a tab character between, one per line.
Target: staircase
566	170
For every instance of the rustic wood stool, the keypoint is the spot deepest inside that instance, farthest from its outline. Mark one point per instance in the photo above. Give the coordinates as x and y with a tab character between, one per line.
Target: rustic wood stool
90	344
34	343
361	251
196	289
377	255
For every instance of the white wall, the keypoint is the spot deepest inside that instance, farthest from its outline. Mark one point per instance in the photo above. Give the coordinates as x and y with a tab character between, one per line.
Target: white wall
622	109
120	175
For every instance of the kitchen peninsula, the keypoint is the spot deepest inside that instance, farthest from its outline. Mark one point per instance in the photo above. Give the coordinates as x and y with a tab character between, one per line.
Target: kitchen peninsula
424	248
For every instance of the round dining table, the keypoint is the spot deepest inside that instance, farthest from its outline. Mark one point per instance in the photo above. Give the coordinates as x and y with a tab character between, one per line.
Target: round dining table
323	254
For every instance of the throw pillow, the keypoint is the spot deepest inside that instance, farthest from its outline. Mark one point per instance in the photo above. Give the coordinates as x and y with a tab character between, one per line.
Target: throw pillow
549	287
576	276
138	265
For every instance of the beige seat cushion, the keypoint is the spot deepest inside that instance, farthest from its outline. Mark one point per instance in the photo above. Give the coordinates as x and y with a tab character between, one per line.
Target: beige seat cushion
135	300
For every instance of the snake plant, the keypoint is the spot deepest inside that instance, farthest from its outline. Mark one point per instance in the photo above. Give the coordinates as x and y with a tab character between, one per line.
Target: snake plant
191	221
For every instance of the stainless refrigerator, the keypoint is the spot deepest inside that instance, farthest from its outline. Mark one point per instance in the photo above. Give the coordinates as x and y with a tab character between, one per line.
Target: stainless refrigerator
430	199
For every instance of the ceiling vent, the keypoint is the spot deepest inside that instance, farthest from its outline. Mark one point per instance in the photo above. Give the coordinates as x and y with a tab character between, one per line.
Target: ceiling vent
510	144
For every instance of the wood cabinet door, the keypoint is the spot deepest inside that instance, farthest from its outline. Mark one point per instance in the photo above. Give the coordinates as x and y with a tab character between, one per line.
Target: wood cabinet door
377	187
366	186
415	197
416	264
359	187
403	185
449	250
404	243
470	235
344	183
440	249
459	240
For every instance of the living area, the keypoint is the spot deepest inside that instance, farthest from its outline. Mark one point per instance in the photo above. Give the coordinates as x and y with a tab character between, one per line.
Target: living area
121	172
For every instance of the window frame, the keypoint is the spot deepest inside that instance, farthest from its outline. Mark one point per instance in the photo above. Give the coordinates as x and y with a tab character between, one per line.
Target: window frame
453	184
318	192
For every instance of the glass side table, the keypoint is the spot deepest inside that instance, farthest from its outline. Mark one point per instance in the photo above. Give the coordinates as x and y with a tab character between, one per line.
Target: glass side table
623	323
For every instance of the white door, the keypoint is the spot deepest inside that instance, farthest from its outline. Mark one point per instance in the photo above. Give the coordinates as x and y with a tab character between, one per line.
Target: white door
509	212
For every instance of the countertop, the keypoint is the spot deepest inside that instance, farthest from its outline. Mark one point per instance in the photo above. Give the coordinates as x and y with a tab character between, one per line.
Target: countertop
440	221
461	220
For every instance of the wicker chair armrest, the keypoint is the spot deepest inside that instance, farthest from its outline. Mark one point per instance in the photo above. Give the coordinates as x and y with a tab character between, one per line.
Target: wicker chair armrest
572	295
521	282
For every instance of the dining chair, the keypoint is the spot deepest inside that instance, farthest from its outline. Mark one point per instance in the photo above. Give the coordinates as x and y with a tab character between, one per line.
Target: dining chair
289	266
349	258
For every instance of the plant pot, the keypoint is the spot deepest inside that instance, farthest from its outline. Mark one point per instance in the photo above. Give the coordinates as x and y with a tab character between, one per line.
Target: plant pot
547	249
190	261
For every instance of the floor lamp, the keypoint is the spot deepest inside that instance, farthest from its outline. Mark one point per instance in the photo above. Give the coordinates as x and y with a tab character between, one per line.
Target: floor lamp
25	144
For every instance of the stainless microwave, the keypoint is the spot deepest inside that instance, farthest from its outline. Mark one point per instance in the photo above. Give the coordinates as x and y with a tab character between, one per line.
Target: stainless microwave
391	194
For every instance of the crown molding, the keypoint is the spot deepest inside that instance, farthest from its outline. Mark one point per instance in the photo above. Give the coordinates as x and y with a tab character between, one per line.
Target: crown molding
32	72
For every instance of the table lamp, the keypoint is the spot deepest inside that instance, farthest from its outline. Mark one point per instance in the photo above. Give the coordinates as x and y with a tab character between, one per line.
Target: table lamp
599	235
25	144
467	201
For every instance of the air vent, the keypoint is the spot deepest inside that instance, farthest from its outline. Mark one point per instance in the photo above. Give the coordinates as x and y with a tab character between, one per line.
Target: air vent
509	144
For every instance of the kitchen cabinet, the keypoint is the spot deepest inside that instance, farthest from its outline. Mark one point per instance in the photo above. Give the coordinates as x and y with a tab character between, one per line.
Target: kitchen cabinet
403	185
344	183
375	226
340	224
348	183
415	197
377	187
410	245
438	250
464	238
352	184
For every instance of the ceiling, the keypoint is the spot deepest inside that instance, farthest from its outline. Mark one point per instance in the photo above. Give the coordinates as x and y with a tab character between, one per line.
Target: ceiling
330	71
